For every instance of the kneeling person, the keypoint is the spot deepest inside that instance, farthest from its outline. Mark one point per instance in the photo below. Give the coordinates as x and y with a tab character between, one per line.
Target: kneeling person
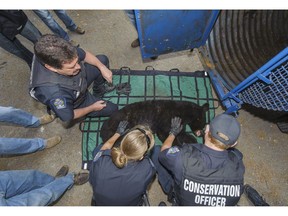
119	176
209	174
61	74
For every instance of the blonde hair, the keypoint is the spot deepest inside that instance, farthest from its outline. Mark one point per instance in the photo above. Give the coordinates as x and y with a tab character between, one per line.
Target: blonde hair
133	146
218	143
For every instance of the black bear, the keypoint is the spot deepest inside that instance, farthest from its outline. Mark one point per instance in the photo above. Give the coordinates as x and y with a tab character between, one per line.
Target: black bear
157	114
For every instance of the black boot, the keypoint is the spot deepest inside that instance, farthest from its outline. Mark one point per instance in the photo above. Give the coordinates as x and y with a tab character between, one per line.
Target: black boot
254	196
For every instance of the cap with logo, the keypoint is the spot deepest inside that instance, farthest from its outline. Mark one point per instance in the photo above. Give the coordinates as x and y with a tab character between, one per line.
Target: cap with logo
228	126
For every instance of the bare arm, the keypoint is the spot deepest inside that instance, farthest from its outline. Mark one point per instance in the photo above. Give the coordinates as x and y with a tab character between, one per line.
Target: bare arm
168	142
120	131
93	60
109	143
80	112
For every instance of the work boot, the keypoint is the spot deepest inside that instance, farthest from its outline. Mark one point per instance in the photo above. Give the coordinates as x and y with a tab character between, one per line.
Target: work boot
81	178
135	43
154	57
162	203
45	119
79	30
254	196
53	141
62	172
74	43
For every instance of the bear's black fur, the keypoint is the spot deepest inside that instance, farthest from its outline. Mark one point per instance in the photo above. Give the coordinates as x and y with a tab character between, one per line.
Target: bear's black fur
157	114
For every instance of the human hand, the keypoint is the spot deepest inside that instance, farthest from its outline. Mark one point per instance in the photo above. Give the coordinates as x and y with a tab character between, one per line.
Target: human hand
176	126
107	74
121	127
99	105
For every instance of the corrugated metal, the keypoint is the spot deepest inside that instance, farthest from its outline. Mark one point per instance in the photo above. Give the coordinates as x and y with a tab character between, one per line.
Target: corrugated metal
242	41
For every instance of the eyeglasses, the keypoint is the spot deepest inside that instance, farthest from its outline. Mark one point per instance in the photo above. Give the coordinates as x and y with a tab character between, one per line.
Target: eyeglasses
147	137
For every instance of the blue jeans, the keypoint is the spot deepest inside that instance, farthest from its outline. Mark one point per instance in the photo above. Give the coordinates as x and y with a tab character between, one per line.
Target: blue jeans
18	117
19	146
131	15
31	33
47	18
16	146
16	48
32	188
164	177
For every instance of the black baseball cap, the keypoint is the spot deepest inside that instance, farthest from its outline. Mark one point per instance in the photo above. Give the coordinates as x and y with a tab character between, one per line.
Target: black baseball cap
227	125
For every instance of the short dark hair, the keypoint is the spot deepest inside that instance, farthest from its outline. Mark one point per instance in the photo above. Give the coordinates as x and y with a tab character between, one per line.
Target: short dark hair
53	50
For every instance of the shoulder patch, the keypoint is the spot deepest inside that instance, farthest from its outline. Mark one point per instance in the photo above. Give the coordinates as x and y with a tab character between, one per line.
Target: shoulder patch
173	150
59	103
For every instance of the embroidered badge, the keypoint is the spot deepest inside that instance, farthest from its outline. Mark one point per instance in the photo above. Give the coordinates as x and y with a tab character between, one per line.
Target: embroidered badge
173	150
59	103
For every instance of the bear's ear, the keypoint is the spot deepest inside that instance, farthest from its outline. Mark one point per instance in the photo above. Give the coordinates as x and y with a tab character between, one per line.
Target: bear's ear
205	107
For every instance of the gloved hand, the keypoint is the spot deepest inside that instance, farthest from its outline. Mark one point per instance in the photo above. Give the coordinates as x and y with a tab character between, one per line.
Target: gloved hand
123	88
176	126
121	127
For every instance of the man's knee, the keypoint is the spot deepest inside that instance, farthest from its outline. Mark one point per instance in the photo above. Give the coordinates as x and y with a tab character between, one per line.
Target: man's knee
104	59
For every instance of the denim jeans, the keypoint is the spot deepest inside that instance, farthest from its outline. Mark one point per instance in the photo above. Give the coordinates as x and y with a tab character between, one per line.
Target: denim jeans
131	15
16	48
16	146
47	18
32	188
18	117
30	32
19	146
64	17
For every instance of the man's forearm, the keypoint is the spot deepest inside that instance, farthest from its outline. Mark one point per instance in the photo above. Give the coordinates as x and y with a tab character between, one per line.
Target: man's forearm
93	60
80	112
168	142
109	143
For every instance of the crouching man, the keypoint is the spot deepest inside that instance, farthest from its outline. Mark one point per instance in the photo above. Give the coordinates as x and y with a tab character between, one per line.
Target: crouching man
61	75
209	174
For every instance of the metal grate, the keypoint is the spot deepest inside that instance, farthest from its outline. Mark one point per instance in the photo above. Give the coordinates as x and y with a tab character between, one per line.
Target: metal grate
273	96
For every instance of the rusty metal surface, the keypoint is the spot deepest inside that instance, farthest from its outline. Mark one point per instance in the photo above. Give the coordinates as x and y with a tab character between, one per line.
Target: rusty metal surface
242	41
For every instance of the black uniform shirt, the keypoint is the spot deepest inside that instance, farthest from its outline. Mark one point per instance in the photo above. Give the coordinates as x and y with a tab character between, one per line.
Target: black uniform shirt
119	187
204	176
59	99
172	160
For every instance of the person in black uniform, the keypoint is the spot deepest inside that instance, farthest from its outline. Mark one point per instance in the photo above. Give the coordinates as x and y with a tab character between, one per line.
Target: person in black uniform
61	75
120	176
209	174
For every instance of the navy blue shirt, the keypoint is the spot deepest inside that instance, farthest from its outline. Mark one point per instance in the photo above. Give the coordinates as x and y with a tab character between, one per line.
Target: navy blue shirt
59	99
171	159
119	187
204	176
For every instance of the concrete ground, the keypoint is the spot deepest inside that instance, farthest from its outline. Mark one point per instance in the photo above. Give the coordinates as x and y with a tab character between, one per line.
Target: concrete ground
110	32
